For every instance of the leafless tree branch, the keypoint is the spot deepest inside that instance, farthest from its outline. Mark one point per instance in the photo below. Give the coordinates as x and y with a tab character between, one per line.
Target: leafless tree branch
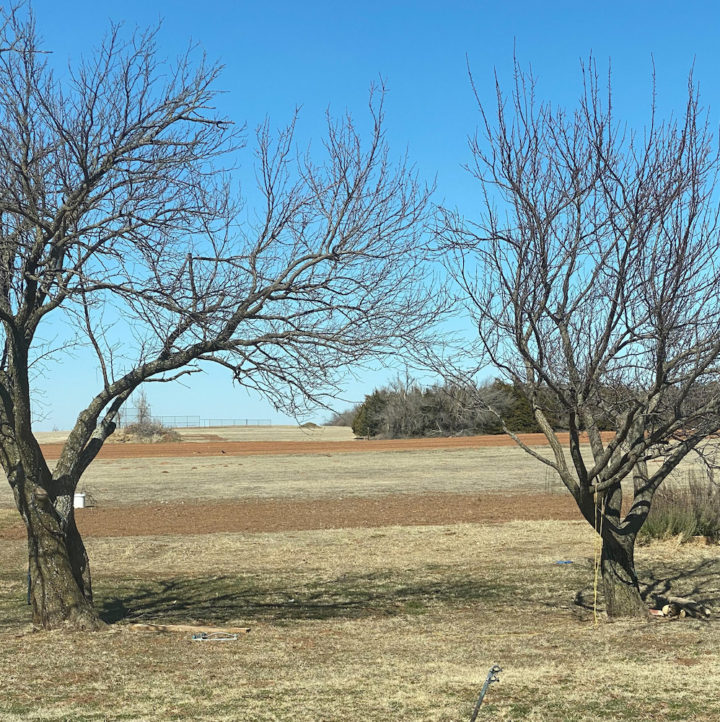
117	203
592	276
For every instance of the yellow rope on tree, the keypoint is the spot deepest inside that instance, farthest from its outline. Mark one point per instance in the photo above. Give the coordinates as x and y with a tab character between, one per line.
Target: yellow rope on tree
599	516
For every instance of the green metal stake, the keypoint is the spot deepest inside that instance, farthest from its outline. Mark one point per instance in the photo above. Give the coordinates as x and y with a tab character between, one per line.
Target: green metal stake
492	677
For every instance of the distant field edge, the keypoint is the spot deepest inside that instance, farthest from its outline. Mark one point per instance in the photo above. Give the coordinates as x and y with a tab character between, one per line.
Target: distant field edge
277	448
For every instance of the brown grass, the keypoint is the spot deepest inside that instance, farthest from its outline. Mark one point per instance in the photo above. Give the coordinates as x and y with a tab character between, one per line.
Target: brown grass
372	625
241	433
114	482
135	481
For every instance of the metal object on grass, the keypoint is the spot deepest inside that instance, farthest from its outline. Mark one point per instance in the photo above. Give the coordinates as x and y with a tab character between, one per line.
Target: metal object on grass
214	637
492	677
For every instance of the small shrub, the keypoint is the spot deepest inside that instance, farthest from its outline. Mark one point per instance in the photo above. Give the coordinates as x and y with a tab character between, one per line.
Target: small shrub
146	429
684	511
369	420
149	432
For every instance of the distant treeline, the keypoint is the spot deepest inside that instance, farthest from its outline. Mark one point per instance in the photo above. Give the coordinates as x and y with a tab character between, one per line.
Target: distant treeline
407	410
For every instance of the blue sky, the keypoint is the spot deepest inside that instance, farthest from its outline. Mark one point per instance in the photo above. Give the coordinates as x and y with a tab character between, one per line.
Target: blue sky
279	55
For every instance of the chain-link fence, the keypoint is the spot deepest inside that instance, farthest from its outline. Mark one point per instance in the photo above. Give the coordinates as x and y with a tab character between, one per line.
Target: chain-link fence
131	416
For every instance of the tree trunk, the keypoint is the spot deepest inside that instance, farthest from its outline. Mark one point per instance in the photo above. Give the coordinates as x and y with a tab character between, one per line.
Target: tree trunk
60	594
617	560
60	590
620	583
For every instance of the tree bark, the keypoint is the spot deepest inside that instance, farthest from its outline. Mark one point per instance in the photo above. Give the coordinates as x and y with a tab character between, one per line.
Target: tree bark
60	589
60	593
620	586
620	583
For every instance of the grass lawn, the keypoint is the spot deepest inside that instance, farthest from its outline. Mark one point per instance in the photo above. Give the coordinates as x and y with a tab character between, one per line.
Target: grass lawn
399	623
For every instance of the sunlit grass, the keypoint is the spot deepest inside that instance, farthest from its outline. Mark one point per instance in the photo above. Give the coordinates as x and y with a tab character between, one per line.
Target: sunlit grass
364	624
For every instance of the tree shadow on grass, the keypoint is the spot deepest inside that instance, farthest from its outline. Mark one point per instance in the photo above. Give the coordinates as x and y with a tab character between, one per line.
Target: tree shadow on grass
697	581
660	579
224	599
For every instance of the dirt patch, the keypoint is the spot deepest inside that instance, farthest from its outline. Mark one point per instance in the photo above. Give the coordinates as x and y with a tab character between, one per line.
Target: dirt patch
271	515
263	448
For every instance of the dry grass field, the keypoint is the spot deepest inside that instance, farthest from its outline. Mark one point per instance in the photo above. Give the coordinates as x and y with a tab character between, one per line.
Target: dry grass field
385	620
138	481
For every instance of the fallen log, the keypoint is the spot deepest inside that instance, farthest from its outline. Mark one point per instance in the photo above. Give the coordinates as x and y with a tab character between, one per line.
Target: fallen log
194	629
682	607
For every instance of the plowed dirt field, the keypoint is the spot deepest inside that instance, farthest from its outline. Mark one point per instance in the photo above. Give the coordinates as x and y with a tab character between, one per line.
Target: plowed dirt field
272	515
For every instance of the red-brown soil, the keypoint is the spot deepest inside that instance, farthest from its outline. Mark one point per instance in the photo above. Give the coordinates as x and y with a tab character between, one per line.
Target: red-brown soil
261	448
271	515
292	514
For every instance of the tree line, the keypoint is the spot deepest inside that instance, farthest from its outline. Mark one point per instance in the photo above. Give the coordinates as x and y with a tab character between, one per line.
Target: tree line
407	409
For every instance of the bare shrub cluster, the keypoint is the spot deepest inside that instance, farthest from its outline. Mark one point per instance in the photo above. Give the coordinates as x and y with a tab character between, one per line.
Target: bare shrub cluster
148	432
145	428
344	418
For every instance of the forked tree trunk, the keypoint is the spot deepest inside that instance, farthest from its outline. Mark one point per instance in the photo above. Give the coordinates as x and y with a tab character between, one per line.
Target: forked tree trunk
620	583
60	589
617	560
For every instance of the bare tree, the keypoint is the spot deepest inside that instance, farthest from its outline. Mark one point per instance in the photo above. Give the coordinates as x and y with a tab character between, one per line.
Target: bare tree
142	409
592	273
116	218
